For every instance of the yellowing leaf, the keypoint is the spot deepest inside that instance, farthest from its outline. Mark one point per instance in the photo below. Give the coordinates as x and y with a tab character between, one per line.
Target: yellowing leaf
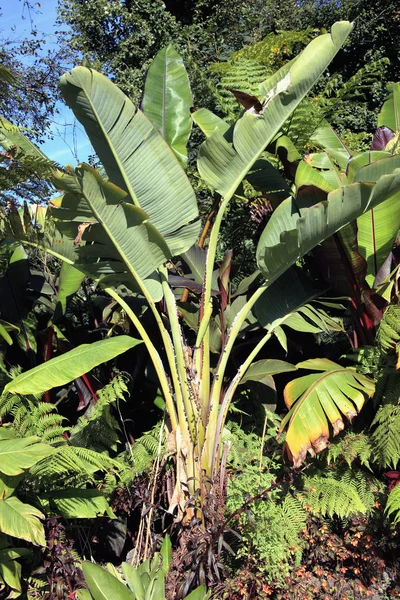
317	401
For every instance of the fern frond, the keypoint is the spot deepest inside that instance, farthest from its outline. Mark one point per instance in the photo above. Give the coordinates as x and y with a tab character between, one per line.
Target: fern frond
388	334
9	403
99	429
329	496
31	417
350	447
293	518
145	448
387	389
244	75
385	439
73	461
393	504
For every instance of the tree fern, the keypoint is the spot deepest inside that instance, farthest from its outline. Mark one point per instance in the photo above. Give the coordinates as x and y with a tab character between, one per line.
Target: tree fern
248	67
341	493
277	48
245	447
387	389
293	522
304	121
244	75
145	449
385	439
140	457
393	504
98	429
81	457
78	465
32	417
349	448
270	525
388	334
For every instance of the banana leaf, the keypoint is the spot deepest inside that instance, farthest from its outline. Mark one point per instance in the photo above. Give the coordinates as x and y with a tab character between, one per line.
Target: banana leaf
103	585
135	156
390	112
378	228
69	282
208	121
317	400
295	227
167	100
69	366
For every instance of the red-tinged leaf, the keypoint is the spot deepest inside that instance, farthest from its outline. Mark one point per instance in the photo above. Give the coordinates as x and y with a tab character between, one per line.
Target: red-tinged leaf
85	387
223	280
392	474
382	137
246	100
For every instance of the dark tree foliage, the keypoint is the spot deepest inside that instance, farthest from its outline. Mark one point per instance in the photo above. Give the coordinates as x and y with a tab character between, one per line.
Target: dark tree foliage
29	75
376	29
122	37
28	91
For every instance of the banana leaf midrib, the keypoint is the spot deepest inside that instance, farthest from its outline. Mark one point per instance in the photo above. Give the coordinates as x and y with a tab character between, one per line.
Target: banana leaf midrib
129	188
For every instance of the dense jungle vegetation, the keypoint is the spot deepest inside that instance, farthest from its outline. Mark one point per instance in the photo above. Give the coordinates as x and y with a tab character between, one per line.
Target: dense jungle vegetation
200	327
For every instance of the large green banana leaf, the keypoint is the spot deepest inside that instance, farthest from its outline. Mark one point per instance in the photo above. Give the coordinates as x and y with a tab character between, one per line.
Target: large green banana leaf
390	111
326	138
378	228
287	303
261	369
263	176
295	228
135	156
103	585
22	521
284	297
19	454
69	282
125	228
122	245
306	175
69	366
319	399
208	121
167	100
223	165
360	161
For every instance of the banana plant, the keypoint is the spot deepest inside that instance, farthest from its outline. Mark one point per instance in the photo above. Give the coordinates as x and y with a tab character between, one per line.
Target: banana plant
366	244
123	232
145	582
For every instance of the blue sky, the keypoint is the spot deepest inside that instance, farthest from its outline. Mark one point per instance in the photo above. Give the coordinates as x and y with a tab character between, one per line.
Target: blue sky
69	137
